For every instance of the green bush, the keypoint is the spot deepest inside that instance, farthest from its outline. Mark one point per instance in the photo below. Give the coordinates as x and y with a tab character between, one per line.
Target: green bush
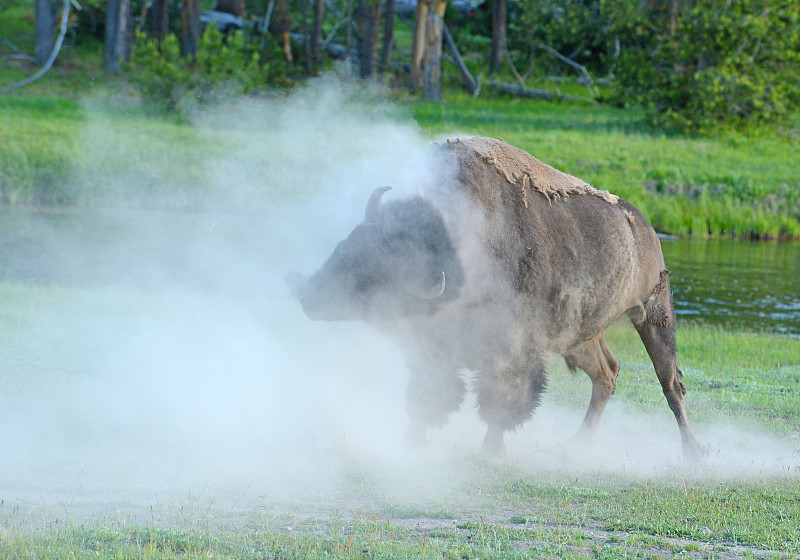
223	63
574	28
692	64
710	62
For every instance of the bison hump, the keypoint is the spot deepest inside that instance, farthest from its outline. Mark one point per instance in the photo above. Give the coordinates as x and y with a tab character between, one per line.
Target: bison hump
520	168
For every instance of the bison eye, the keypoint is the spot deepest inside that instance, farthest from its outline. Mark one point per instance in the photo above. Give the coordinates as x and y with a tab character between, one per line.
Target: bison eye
364	286
396	241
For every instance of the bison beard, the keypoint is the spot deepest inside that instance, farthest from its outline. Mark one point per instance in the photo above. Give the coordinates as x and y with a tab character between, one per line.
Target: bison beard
557	263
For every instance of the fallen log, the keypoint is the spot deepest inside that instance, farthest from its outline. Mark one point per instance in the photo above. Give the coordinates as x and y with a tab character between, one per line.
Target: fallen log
519	91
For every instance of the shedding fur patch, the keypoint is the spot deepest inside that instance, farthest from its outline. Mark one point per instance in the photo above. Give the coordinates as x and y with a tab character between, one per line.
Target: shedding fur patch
663	276
520	168
656	314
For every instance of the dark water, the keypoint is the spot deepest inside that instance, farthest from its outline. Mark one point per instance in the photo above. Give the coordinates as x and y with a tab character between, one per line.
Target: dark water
739	284
750	285
135	249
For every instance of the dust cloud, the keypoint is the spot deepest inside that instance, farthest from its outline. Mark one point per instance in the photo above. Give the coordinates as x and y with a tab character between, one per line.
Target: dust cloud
159	350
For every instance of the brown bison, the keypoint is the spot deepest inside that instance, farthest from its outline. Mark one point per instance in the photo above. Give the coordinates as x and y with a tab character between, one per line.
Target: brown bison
506	260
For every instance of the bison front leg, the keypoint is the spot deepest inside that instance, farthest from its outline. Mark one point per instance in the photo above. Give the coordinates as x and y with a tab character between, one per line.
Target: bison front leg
507	396
435	390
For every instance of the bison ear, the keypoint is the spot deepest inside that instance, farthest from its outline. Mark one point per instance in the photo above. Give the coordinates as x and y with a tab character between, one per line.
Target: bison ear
373	213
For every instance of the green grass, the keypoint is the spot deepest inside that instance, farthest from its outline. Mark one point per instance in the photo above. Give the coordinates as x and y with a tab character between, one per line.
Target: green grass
520	516
79	68
475	509
729	186
750	377
52	153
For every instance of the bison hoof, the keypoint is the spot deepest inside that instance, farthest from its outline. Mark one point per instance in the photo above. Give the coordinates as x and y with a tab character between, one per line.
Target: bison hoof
295	282
693	453
493	446
493	452
581	440
415	439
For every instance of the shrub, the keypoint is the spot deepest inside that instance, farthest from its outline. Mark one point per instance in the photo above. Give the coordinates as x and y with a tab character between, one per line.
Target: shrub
223	63
575	28
709	62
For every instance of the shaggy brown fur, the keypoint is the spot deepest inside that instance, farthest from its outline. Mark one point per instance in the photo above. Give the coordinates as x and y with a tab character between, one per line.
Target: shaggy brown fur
520	168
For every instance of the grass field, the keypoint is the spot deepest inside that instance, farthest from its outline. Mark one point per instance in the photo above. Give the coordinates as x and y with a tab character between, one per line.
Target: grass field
629	497
730	186
462	507
517	516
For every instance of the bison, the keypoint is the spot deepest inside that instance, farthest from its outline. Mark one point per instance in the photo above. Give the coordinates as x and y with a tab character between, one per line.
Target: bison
505	260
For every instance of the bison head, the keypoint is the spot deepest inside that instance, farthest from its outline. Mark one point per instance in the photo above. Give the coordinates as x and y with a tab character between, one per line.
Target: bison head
399	261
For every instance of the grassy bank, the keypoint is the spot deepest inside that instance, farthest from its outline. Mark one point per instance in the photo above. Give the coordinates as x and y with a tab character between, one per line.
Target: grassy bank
731	186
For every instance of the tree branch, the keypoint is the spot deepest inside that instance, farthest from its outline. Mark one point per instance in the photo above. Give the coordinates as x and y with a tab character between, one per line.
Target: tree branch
519	79
13	47
53	55
580	68
472	85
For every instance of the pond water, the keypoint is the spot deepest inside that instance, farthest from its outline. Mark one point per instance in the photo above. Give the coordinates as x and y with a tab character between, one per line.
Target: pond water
744	284
741	284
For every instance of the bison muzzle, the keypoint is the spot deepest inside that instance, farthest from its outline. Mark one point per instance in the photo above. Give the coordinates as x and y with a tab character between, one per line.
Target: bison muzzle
508	262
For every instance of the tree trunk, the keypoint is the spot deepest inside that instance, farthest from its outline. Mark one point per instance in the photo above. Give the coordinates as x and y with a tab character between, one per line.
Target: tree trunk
369	17
418	45
426	57
316	29
281	26
160	18
190	27
673	17
388	36
119	29
44	31
498	36
306	39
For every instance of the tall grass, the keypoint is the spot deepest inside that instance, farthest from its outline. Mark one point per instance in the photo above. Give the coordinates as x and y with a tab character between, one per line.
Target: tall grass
731	186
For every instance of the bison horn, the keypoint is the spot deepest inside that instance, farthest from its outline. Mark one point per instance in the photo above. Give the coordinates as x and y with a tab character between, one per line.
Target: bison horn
373	213
429	293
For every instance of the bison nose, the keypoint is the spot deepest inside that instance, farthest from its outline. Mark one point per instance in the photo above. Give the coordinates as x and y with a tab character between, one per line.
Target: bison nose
296	283
298	287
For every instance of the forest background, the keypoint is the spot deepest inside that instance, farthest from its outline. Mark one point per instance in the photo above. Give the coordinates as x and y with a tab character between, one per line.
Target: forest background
698	97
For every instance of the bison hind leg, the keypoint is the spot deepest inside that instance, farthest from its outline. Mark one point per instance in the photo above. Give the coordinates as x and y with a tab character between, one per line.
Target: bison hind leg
507	396
657	332
595	358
